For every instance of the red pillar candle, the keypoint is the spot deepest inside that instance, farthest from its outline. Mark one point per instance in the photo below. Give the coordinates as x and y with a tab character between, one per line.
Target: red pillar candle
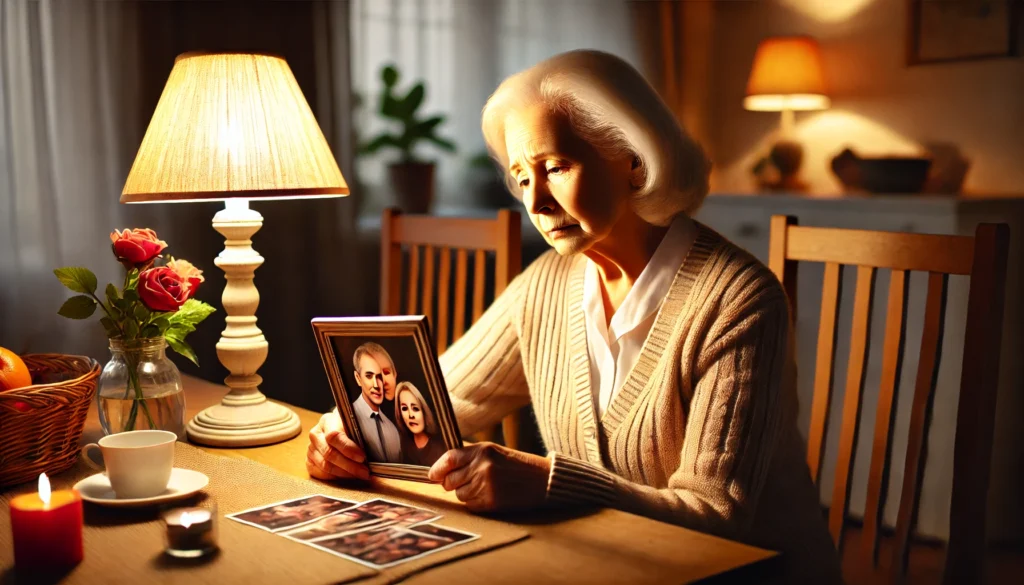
47	528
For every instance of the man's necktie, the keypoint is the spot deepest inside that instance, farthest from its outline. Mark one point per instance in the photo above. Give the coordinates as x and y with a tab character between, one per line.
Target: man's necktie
380	434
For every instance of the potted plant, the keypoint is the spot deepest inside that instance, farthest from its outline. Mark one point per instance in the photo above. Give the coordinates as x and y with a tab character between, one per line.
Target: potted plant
411	177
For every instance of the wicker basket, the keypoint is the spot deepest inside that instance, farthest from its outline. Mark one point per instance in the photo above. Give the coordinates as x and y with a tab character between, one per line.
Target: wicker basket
41	425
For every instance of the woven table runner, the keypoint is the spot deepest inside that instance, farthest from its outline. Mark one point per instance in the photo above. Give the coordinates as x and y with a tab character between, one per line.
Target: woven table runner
125	545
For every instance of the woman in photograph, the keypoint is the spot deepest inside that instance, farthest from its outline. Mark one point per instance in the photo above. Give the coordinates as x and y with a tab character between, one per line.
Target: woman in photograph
421	444
657	355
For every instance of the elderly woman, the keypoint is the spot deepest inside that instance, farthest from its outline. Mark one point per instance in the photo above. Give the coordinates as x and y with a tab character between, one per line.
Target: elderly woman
656	354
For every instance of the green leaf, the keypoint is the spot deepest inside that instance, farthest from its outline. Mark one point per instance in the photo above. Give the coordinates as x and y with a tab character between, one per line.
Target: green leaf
78	279
193	312
380	142
392	108
141	313
445	144
122	306
112	293
110	327
131	329
78	307
182	348
413	100
131	295
426	127
161	323
150	331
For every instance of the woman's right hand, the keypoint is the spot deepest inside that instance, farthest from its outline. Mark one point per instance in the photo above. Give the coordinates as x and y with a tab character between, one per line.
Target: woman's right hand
332	454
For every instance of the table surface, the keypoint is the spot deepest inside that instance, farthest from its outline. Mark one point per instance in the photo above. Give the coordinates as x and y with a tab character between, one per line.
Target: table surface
602	546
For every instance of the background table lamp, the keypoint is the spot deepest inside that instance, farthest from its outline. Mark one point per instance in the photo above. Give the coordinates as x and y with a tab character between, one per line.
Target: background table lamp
234	127
786	77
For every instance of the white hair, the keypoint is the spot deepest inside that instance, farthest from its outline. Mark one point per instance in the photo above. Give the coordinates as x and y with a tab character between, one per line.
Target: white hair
612	107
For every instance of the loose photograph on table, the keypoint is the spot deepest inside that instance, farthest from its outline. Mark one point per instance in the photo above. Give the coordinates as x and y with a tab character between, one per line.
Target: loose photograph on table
369	515
387	547
389	391
344	522
399	513
291	513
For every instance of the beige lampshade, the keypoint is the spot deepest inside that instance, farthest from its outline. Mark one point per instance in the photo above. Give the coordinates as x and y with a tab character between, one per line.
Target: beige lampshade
787	75
232	125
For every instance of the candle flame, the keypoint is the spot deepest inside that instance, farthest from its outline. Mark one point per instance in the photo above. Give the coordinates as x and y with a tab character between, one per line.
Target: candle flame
186	519
44	489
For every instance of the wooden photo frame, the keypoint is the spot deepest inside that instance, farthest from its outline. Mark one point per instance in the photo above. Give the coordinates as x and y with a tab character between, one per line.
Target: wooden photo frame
943	31
410	399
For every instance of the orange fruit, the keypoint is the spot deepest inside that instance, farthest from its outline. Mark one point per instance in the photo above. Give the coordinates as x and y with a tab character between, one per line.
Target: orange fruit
13	371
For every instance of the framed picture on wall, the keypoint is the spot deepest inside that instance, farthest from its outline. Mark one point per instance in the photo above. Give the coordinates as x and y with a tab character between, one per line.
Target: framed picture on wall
941	31
389	390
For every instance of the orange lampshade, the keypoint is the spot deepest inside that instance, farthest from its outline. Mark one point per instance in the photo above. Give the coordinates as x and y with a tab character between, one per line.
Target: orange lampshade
787	75
232	125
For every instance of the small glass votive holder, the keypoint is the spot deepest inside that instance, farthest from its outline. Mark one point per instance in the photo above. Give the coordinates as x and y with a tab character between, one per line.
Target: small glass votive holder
191	532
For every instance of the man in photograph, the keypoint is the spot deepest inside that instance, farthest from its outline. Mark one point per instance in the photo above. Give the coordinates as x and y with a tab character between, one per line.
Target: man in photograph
389	375
383	443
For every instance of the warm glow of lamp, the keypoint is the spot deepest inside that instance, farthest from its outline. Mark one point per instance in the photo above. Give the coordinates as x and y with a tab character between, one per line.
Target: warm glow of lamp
786	77
234	127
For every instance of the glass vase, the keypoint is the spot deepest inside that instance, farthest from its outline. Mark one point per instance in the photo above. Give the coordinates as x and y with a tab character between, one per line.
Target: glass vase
140	388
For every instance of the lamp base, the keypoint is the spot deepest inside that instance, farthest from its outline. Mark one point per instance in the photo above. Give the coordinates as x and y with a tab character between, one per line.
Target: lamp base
779	171
243	425
244	418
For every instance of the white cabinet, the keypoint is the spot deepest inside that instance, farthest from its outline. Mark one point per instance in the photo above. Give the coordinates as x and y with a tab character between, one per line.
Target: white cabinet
744	219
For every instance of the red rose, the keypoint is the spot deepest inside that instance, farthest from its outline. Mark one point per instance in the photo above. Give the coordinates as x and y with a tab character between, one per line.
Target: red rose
188	273
163	289
137	247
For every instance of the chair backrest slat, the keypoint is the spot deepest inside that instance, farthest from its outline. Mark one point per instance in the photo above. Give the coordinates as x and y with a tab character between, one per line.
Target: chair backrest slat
920	412
412	308
459	326
892	361
428	286
983	258
443	286
824	366
479	269
852	400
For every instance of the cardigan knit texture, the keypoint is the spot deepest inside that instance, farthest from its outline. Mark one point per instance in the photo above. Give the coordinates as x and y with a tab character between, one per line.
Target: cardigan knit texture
703	432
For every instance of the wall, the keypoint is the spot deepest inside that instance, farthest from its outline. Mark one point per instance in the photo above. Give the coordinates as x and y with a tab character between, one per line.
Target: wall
879	105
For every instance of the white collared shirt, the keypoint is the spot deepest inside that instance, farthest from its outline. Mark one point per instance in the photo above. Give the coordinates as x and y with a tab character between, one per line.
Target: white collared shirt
391	450
614	346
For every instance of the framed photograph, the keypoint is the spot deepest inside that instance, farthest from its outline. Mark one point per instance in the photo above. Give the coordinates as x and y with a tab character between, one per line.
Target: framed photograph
941	31
390	394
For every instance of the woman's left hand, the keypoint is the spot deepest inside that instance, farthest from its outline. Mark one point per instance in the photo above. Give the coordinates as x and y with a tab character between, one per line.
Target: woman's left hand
492	478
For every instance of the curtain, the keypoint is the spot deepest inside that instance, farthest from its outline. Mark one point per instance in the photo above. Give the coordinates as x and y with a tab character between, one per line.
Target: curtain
674	40
78	84
67	104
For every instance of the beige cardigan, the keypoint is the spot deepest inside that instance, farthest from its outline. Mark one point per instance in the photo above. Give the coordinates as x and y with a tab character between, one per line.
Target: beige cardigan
703	434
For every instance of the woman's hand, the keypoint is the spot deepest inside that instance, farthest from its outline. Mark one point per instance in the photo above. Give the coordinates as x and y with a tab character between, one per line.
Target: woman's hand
492	478
332	454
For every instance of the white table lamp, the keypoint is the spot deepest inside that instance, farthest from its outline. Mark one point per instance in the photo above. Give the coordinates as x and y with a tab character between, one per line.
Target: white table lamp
234	127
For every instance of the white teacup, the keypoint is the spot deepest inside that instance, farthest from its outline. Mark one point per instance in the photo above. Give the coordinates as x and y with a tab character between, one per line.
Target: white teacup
138	463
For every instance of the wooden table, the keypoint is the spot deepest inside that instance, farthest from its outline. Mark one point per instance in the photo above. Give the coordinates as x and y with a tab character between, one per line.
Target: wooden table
606	546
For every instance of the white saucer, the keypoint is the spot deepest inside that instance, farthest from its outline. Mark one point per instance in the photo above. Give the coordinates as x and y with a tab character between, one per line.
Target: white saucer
184	482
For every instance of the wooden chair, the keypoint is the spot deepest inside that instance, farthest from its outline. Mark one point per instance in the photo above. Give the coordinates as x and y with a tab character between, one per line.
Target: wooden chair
430	242
983	258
